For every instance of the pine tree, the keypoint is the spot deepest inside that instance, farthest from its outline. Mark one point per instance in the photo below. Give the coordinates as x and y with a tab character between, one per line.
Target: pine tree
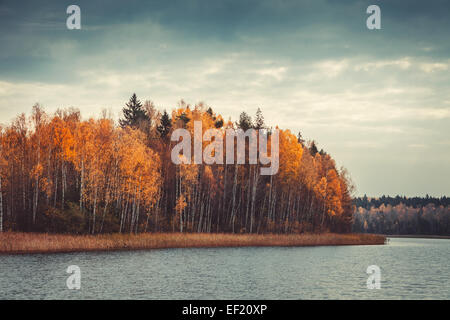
183	117
166	124
313	148
259	120
245	121
300	138
218	124
134	114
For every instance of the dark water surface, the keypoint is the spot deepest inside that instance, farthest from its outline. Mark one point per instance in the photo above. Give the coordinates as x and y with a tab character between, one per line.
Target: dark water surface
410	269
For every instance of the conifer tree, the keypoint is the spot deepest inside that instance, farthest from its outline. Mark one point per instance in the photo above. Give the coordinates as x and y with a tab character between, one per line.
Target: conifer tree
134	114
166	124
313	148
259	120
245	121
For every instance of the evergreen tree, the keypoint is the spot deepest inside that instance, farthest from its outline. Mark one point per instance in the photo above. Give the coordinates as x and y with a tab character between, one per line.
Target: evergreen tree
218	124
313	148
259	120
165	124
134	114
183	117
300	138
211	113
245	121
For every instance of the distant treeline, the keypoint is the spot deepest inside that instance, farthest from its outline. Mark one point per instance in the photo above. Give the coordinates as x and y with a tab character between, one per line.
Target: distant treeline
402	215
60	173
415	202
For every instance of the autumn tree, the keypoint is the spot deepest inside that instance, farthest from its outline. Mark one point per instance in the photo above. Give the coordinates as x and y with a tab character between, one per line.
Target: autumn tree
59	173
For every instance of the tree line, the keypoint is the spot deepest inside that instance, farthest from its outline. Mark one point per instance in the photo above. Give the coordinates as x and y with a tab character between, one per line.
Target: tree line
415	202
60	173
402	215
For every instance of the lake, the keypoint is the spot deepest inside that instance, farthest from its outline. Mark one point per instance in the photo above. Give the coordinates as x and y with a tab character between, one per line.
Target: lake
410	269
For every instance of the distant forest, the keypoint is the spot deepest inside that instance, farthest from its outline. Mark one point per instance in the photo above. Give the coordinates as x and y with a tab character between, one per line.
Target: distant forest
402	215
62	173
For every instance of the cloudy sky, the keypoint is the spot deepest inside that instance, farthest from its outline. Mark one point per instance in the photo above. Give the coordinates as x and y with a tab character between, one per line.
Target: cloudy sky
377	100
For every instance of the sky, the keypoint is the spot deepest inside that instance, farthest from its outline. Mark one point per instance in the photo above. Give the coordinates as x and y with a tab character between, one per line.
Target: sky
377	100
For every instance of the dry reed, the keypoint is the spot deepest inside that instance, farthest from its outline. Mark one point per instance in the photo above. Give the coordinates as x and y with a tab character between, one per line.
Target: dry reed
12	242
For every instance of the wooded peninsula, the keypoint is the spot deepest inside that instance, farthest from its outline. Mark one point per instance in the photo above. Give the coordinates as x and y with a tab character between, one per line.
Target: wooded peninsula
62	174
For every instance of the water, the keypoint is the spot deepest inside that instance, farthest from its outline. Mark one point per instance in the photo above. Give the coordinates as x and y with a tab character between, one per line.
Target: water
410	269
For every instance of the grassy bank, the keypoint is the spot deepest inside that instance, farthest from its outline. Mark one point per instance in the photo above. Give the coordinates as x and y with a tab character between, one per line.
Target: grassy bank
11	242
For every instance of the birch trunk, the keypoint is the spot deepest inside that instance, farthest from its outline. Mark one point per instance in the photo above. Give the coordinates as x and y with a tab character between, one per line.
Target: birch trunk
94	211
36	188
63	182
81	185
255	185
248	198
1	205
234	197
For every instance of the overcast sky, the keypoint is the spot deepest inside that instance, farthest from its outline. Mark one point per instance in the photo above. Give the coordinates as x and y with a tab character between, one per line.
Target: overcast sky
377	100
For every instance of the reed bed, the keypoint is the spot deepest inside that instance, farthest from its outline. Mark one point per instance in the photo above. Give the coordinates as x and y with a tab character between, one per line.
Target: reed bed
12	242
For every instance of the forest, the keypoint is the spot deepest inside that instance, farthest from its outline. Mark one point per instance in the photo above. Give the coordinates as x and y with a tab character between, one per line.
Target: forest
402	215
60	173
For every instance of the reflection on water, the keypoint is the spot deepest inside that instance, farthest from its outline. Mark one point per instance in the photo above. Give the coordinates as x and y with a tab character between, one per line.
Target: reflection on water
410	269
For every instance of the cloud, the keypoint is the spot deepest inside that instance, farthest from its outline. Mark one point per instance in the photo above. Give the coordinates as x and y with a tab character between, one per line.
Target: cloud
311	66
403	63
432	67
329	68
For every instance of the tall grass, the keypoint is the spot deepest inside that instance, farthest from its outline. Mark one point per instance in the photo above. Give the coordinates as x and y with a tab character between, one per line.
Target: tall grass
12	242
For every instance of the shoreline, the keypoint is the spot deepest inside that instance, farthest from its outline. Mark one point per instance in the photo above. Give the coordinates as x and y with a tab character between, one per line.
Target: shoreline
421	236
32	243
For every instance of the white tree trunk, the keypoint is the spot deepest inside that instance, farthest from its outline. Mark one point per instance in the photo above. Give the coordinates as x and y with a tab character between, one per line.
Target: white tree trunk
95	208
81	185
1	205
